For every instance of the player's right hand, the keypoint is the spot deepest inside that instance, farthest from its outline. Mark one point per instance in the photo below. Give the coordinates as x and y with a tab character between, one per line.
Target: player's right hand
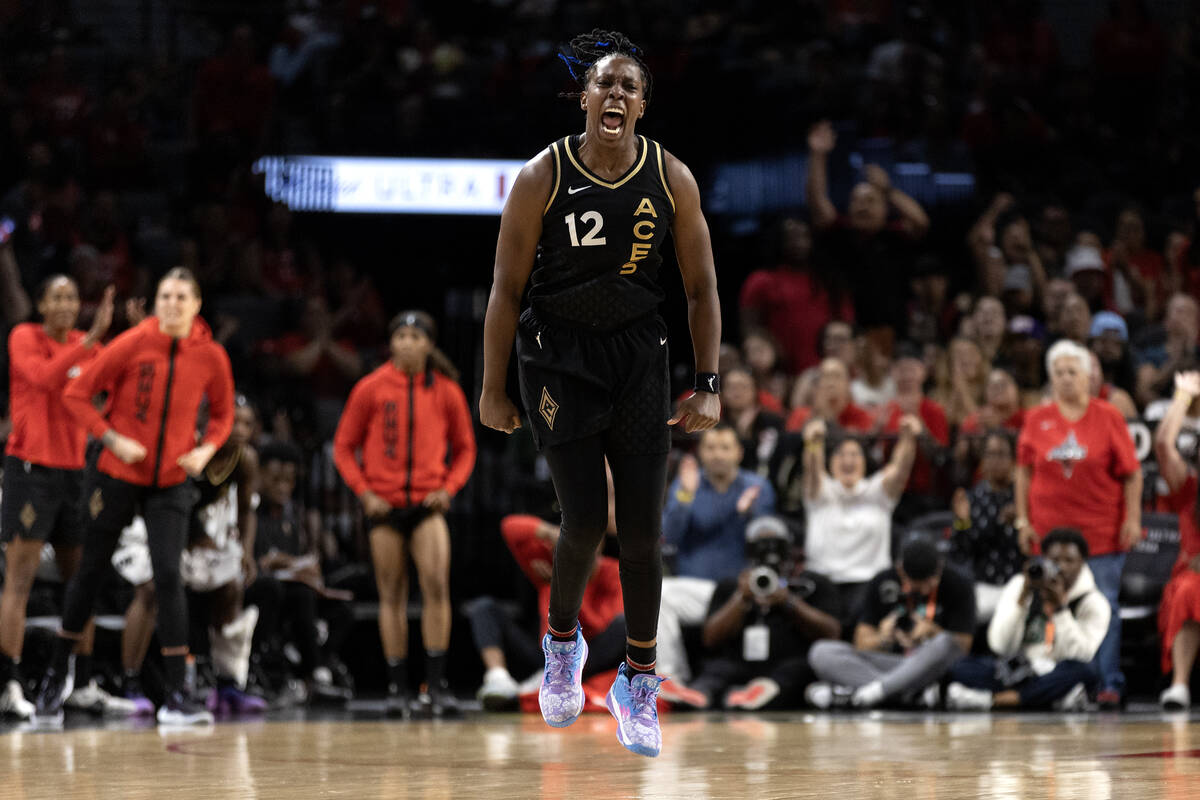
129	451
497	412
374	506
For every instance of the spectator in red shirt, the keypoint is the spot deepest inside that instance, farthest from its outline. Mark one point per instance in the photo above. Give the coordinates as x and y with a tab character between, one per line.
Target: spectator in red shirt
501	641
1179	612
838	341
1001	409
909	373
43	465
407	417
831	401
1141	269
794	301
1077	467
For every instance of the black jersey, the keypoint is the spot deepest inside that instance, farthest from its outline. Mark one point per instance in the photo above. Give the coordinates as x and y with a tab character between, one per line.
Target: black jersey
600	250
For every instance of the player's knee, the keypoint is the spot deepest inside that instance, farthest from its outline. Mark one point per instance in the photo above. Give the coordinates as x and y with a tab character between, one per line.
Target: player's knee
393	593
435	589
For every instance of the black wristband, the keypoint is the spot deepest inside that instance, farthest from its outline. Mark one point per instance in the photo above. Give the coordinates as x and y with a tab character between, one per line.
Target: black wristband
708	382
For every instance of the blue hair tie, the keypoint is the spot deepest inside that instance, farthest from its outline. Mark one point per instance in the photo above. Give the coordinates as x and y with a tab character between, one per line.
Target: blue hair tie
571	63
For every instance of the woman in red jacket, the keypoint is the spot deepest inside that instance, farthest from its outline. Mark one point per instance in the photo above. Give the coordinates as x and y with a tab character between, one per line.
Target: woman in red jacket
43	469
404	417
155	375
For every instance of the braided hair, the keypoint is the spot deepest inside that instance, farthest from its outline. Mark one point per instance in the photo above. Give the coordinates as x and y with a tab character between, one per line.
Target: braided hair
587	49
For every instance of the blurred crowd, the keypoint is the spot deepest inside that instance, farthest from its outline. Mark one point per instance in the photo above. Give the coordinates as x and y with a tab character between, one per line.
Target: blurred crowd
917	337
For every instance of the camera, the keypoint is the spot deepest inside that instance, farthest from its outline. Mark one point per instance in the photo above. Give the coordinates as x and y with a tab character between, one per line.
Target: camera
906	622
764	581
1042	569
768	546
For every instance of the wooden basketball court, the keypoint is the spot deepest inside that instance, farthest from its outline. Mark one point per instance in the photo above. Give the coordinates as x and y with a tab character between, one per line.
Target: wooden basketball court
902	756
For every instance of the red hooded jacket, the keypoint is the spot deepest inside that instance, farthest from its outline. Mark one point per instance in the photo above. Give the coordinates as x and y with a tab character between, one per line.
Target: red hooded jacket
155	385
43	431
403	424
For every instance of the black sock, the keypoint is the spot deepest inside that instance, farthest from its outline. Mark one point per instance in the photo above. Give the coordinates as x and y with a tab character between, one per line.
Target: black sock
8	669
61	659
83	668
568	634
175	668
641	659
435	668
225	682
397	675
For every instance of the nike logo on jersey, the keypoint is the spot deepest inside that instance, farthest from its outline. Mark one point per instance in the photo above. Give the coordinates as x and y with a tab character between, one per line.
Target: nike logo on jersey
538	339
662	340
574	189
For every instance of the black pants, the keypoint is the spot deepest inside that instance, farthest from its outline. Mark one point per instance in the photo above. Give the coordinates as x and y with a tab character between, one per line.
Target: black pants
639	486
110	505
1040	691
719	674
291	603
492	625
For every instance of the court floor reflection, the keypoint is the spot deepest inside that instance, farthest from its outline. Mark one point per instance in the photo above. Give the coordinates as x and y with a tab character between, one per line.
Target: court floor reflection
902	756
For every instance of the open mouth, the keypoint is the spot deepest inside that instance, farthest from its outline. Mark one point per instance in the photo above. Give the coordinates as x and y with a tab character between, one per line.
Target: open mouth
613	120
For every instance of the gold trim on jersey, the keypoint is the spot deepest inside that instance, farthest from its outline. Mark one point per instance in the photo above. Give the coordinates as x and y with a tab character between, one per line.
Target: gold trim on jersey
557	177
663	175
592	177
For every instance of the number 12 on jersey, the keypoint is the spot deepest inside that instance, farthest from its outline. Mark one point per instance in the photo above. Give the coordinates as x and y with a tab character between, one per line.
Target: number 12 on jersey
591	237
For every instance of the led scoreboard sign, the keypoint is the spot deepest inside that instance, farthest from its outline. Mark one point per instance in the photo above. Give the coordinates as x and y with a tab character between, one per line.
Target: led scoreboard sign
388	185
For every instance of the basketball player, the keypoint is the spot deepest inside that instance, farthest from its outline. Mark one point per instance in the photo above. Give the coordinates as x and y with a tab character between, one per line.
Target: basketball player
156	374
43	479
410	420
585	226
219	561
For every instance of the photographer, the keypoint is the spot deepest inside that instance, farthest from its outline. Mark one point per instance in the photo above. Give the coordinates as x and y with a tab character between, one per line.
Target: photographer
761	624
1048	625
918	622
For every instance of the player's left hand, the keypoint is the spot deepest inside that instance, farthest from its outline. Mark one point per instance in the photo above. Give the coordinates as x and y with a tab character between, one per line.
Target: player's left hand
438	500
698	412
195	460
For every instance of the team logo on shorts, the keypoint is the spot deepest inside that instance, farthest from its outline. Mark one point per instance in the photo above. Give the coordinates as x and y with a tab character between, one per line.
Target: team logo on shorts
548	408
96	504
28	516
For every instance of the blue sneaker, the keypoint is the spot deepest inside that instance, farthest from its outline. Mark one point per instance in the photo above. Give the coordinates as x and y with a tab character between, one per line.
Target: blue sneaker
561	695
634	704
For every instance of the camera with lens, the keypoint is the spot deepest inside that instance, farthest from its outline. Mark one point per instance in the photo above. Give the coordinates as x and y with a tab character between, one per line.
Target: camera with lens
1042	569
768	546
906	622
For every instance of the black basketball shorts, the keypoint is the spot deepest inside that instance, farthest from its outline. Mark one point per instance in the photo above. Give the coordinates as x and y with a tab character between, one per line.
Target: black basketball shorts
42	503
403	520
577	383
